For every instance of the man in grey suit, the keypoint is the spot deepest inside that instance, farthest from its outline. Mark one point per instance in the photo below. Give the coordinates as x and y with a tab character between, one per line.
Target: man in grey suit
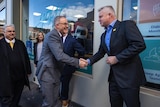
52	61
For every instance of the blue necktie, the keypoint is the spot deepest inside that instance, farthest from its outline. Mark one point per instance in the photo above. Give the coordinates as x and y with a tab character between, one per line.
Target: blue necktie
108	36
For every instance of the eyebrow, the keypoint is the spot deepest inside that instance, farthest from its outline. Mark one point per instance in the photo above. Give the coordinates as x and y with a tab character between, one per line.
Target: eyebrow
11	31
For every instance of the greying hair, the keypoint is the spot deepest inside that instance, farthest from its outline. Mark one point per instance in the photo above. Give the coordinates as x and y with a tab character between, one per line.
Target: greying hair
110	9
8	25
57	19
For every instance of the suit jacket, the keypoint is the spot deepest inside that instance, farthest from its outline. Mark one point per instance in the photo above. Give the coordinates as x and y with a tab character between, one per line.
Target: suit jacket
70	46
52	56
5	74
126	43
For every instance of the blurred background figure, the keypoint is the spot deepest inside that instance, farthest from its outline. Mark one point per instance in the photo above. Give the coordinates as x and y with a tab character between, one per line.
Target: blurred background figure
38	47
37	50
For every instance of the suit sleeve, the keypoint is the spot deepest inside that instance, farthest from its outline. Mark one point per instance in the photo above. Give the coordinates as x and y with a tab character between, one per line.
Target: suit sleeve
99	54
55	44
27	60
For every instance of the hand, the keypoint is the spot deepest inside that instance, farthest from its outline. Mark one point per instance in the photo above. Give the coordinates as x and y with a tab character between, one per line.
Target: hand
111	60
83	63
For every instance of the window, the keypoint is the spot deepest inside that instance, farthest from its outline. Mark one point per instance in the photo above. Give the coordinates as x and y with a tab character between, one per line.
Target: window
147	16
80	14
2	18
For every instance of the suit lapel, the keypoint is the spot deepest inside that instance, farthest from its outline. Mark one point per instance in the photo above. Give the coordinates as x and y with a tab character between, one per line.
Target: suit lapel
65	44
103	42
114	32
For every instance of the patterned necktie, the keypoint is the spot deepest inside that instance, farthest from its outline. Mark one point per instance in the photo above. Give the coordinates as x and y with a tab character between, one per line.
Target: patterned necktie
108	36
11	44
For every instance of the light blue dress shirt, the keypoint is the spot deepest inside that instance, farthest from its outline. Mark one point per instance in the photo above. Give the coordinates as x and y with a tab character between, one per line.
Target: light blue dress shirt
108	34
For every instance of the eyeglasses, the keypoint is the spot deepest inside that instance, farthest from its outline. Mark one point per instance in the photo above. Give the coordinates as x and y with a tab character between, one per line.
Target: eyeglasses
64	23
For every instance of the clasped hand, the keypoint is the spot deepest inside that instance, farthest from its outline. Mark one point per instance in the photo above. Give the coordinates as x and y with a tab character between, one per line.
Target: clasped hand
83	63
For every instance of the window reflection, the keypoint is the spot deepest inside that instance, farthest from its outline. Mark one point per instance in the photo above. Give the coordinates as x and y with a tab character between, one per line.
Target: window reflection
80	15
2	19
146	14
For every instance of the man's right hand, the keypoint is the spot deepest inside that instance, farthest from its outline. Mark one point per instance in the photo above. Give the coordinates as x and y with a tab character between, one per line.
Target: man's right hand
83	63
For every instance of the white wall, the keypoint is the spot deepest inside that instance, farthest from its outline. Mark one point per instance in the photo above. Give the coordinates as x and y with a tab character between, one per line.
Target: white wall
93	91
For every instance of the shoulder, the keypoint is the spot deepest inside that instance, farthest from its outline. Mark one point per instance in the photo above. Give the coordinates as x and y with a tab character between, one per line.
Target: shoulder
129	22
52	34
19	42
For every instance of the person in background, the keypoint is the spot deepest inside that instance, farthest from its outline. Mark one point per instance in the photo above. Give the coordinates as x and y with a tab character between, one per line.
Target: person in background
1	35
52	61
38	47
14	68
37	50
123	42
71	47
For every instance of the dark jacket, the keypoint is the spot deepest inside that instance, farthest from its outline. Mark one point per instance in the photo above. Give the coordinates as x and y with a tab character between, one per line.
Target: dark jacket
126	43
70	47
5	75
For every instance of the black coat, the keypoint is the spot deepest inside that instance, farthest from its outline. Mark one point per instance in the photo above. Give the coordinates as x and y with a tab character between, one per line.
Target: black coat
126	43
5	75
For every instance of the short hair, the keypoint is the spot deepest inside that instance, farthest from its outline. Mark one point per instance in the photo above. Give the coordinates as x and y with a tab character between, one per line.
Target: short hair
111	9
8	25
57	19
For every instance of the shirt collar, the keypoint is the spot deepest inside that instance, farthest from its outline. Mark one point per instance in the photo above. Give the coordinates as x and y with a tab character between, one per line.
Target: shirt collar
7	40
64	38
111	24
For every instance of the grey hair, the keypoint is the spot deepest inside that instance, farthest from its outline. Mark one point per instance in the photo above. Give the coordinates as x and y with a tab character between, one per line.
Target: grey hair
8	25
110	9
57	19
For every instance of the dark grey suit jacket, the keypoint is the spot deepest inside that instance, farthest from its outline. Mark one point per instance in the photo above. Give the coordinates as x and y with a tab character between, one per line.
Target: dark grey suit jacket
126	43
52	56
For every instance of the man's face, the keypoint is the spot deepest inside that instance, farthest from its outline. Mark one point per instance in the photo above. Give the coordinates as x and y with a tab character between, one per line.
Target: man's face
9	33
62	26
104	18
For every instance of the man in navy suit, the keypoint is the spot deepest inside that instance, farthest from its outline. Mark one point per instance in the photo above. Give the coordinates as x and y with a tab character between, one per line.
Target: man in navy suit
122	42
70	47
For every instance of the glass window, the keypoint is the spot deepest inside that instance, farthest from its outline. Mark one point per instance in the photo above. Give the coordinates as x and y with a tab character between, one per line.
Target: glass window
146	13
2	21
80	14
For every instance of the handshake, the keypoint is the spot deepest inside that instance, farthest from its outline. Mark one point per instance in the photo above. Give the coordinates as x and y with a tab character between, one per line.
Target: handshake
83	63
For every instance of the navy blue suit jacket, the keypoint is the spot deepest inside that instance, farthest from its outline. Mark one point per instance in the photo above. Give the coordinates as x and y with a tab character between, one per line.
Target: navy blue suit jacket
70	47
126	43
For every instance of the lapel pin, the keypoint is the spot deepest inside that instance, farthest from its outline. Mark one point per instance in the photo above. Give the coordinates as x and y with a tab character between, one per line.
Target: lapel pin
114	29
